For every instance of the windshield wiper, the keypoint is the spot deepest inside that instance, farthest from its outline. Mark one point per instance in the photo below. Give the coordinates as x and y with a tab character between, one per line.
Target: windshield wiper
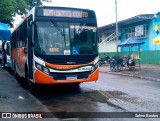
57	27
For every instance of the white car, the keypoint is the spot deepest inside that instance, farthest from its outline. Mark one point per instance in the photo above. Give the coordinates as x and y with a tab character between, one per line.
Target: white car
6	54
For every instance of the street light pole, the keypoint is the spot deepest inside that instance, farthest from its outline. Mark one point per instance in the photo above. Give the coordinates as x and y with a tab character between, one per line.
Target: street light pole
116	28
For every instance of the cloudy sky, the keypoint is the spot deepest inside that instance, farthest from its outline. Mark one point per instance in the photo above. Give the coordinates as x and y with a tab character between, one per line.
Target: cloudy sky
105	9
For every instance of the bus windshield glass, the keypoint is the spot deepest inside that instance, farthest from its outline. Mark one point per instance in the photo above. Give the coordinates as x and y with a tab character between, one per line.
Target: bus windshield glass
62	38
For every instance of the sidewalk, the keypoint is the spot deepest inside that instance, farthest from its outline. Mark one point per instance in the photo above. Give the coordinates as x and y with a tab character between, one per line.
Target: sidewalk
147	71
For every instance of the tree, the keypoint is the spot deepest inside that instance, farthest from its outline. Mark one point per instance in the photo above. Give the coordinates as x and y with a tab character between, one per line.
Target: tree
9	8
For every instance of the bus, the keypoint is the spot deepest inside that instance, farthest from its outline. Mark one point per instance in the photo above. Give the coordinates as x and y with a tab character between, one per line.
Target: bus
6	53
56	45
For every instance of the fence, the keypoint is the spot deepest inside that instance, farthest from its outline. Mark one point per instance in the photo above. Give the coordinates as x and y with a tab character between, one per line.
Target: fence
146	57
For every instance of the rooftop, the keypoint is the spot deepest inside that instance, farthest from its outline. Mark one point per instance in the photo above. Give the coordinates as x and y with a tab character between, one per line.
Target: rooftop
138	18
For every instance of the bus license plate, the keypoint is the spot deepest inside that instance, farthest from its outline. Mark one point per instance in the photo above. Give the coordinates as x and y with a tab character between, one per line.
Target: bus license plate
71	77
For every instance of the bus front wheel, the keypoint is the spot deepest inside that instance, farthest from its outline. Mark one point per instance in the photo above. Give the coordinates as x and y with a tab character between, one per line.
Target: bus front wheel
31	86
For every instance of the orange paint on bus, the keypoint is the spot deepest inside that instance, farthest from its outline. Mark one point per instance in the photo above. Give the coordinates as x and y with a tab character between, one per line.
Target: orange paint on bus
42	78
19	57
65	67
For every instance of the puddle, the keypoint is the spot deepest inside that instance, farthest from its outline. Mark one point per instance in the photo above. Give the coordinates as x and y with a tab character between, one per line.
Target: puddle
103	97
62	99
108	96
96	96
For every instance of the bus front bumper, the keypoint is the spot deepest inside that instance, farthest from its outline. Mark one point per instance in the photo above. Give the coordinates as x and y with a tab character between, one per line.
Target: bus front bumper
42	78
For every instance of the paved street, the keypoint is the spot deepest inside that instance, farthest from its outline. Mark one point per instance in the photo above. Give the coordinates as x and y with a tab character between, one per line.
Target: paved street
111	93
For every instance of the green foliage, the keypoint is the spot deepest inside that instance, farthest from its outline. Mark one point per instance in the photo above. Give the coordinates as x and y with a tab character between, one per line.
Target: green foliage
9	8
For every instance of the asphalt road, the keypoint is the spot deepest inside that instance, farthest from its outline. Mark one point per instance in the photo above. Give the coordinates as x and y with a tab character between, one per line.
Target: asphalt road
111	93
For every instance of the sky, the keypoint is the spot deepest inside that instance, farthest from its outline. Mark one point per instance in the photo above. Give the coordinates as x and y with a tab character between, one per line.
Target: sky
105	9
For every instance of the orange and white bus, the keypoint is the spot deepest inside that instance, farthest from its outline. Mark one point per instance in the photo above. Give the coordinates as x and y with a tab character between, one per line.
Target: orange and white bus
56	45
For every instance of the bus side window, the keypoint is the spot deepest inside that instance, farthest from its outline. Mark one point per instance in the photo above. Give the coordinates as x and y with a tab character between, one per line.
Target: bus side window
18	38
24	37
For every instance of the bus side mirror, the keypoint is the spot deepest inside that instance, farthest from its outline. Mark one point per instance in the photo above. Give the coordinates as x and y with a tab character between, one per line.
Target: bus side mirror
25	50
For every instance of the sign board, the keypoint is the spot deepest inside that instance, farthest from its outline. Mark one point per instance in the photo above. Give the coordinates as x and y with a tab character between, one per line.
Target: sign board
63	12
156	40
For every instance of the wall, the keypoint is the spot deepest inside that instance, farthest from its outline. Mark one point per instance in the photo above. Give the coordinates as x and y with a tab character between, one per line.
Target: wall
153	34
145	46
108	47
150	53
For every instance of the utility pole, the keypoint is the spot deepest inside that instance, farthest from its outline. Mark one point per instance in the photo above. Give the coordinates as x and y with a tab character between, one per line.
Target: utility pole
116	29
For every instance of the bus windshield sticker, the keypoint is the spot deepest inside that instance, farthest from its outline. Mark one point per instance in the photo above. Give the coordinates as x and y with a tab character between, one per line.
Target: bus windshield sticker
83	27
75	50
53	49
67	52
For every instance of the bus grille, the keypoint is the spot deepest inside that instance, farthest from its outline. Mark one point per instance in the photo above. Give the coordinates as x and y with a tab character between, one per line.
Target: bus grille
63	76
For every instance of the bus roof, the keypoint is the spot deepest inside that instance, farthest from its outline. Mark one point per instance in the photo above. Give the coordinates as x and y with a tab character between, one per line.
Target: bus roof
55	7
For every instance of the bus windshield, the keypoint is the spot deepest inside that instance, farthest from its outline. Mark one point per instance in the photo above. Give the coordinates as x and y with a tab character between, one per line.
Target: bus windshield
62	38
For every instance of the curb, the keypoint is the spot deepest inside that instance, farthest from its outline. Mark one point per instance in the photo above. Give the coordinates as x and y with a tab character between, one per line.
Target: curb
135	76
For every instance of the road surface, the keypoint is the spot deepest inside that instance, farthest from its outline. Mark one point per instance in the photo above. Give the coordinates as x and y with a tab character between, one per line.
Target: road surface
111	93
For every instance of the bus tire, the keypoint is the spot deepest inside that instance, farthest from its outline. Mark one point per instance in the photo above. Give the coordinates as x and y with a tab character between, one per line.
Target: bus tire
14	70
3	59
31	86
76	85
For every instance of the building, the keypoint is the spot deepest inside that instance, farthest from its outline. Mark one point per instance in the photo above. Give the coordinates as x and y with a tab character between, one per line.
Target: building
144	27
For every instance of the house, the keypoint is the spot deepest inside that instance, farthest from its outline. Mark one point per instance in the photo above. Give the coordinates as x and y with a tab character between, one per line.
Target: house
144	28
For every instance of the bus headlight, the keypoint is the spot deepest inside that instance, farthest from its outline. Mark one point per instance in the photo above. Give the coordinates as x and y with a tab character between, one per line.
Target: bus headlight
94	67
42	68
46	70
96	63
38	66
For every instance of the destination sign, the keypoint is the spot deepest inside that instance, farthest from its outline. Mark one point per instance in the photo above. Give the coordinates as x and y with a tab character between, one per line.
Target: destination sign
65	13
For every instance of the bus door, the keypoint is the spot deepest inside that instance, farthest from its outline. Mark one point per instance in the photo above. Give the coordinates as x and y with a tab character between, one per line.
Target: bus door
30	33
22	45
